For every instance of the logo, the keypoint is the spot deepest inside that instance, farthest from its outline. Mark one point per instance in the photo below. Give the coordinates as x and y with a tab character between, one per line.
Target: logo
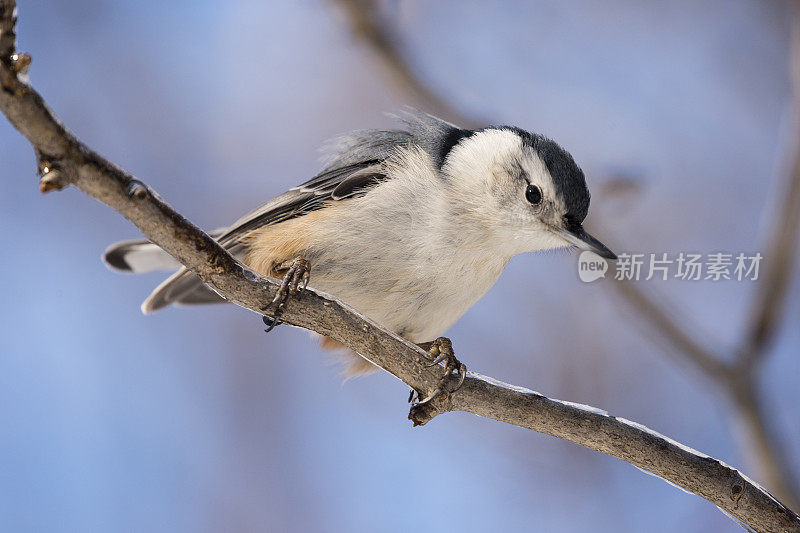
687	266
591	266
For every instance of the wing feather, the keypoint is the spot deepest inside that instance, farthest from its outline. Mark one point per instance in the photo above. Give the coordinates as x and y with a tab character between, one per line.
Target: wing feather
357	165
335	184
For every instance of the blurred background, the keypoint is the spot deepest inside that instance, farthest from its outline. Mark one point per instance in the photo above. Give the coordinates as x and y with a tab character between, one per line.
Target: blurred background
680	113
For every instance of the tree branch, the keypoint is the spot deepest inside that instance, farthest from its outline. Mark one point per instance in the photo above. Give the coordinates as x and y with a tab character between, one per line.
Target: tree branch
61	154
737	379
739	384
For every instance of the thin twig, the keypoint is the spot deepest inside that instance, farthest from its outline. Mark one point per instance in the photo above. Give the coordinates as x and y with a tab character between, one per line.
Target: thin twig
676	334
768	308
367	24
779	256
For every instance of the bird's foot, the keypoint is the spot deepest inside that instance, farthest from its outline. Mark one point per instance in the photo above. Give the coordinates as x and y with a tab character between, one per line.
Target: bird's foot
295	278
441	350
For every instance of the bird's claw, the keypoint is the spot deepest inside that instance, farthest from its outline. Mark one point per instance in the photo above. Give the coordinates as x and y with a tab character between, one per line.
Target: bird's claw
295	279
442	350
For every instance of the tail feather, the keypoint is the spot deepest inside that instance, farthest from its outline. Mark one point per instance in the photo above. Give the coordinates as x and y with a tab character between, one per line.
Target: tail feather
138	256
183	287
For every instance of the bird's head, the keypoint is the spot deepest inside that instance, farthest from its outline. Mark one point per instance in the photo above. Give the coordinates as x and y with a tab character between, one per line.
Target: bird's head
523	187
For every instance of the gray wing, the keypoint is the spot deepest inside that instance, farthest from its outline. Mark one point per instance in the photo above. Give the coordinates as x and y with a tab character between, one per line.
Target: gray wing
336	184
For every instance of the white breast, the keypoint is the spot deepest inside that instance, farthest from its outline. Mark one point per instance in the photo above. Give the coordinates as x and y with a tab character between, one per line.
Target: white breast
402	255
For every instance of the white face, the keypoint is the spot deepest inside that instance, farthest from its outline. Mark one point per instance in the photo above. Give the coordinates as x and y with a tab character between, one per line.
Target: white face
524	190
508	189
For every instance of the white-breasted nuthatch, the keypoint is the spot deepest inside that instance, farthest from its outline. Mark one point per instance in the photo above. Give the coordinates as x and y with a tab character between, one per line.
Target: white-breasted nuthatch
409	226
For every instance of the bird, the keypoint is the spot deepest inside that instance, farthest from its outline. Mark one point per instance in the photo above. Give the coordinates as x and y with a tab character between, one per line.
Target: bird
410	226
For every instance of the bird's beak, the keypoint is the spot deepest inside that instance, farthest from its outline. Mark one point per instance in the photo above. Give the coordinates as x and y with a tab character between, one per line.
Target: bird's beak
578	237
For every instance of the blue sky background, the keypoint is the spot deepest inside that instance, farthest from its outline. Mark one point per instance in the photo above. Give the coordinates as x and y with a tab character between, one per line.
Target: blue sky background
194	420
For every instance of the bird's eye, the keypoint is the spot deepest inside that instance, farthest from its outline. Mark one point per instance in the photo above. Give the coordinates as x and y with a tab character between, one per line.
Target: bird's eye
533	194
